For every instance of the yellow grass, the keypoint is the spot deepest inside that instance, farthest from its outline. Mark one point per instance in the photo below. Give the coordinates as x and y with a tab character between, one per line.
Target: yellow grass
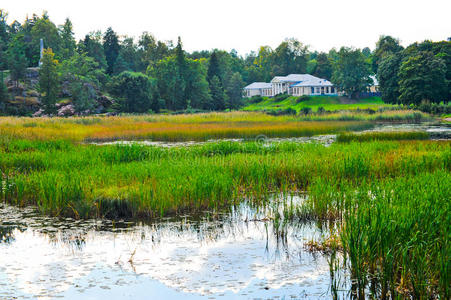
168	128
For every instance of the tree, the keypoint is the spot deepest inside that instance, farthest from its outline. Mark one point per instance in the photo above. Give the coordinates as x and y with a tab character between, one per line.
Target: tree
83	94
213	67
386	45
84	78
128	58
151	50
235	91
217	94
422	78
289	57
4	39
49	81
111	48
387	74
181	90
136	90
3	93
324	66
68	44
44	29
351	72
17	60
93	47
197	89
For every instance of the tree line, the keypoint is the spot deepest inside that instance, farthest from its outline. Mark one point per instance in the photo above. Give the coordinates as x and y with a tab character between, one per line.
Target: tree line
151	75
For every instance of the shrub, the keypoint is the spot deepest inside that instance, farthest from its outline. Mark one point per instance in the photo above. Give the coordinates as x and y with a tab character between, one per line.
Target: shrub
302	98
306	110
255	99
280	97
321	110
281	112
425	107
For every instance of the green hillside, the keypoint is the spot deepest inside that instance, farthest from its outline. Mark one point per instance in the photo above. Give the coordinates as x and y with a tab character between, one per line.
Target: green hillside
330	103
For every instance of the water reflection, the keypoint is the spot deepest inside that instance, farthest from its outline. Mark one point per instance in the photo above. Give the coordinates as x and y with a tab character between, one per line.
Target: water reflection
240	254
435	131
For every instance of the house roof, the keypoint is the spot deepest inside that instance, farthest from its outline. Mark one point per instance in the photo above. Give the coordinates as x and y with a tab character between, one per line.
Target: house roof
258	85
313	81
293	78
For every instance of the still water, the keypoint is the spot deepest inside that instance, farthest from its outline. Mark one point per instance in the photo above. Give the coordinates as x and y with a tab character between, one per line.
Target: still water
239	254
436	131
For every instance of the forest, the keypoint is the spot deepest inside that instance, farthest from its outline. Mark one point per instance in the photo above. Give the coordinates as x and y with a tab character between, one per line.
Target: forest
105	72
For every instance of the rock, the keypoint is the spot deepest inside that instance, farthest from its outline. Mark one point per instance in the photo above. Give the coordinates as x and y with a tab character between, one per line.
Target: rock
105	101
65	89
67	110
32	93
39	113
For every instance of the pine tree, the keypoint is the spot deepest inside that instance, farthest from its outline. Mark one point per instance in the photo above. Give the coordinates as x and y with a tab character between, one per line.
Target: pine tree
217	94
17	60
180	89
68	40
111	48
3	93
49	81
235	91
213	67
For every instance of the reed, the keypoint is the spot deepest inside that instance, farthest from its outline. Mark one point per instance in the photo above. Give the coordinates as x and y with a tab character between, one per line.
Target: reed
199	127
382	136
389	199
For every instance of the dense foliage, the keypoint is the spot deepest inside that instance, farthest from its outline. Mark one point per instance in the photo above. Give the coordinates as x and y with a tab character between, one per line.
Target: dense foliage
89	70
419	73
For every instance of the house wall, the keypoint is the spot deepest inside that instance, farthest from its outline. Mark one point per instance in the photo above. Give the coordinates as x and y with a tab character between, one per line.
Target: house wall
307	90
251	92
374	89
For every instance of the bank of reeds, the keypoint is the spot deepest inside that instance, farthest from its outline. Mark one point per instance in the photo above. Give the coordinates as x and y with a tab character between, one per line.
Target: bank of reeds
130	128
197	127
382	136
390	198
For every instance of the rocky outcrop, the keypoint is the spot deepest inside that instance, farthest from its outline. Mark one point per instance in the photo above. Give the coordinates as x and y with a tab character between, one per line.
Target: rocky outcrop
67	110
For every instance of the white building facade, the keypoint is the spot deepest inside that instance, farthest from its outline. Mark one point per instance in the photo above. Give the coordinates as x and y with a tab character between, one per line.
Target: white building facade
293	84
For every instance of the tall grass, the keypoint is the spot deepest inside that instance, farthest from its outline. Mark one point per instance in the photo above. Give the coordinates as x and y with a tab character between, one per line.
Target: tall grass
199	127
390	199
394	232
382	136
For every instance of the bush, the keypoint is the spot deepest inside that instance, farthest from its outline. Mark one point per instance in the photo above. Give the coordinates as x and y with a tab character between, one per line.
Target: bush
281	112
280	97
306	110
425	107
302	98
321	110
255	99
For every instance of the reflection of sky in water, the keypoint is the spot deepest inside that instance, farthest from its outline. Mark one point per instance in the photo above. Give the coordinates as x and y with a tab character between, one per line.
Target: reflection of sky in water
436	131
227	258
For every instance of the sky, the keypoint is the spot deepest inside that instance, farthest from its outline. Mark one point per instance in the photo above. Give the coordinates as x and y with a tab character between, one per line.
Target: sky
245	25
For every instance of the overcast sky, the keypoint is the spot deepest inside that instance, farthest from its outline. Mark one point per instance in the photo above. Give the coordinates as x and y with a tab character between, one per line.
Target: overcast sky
245	25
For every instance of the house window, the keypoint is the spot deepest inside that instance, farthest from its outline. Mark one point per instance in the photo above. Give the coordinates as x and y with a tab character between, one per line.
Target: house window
332	90
313	90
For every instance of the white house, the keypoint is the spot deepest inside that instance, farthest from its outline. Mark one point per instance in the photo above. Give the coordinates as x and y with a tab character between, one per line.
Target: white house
258	88
374	88
293	84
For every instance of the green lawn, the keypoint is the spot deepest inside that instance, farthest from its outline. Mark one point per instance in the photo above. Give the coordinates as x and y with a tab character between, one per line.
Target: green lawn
330	103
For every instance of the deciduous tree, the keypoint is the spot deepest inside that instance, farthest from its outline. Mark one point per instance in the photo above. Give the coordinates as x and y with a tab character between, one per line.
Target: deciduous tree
136	90
422	77
49	84
352	72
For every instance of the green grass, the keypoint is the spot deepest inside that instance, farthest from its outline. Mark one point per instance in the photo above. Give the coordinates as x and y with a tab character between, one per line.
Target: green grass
330	103
385	197
382	136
